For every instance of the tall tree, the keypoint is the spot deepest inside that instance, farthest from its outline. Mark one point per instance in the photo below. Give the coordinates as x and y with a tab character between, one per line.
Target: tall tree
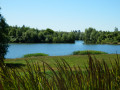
89	35
3	38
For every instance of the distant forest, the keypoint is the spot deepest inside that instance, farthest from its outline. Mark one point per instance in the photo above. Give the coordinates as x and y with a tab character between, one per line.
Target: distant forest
90	36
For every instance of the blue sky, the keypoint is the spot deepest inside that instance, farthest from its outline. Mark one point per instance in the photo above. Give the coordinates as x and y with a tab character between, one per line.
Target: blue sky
63	15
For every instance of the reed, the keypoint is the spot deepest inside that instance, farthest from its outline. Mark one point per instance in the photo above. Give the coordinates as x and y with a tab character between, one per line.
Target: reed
96	76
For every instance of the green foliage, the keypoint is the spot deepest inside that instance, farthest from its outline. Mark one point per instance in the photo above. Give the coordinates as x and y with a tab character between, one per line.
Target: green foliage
101	37
96	76
35	54
88	52
30	35
3	37
49	31
90	35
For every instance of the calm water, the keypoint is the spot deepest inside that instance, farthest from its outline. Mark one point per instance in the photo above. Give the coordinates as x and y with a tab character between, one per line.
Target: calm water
18	50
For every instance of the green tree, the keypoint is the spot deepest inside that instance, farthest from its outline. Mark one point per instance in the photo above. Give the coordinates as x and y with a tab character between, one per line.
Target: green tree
94	36
118	38
41	37
89	35
71	37
64	37
54	39
49	31
3	38
30	36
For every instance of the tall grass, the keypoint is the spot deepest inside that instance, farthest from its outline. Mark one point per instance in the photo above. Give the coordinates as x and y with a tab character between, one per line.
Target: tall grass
86	52
96	76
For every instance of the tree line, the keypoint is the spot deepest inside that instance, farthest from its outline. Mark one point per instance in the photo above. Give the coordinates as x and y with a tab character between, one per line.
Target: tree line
93	36
31	35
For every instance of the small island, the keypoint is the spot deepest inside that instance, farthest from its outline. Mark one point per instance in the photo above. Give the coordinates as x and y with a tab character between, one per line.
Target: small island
88	52
35	55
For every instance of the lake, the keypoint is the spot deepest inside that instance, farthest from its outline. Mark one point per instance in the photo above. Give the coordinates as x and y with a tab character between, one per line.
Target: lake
59	49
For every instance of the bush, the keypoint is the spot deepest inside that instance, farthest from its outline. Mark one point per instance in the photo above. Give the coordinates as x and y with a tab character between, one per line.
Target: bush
35	55
88	52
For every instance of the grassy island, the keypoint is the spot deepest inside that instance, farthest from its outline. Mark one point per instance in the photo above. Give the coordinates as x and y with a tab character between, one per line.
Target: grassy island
35	55
86	52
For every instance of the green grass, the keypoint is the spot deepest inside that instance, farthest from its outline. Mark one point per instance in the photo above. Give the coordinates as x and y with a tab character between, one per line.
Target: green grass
80	60
88	52
35	55
99	74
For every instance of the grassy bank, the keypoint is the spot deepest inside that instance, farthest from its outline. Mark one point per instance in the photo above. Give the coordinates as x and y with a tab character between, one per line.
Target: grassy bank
88	52
80	60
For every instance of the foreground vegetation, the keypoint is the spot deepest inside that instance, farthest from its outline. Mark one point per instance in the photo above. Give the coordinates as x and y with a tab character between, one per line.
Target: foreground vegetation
86	52
97	75
4	39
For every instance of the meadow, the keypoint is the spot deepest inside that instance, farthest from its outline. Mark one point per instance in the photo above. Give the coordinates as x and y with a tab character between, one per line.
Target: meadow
72	60
75	72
